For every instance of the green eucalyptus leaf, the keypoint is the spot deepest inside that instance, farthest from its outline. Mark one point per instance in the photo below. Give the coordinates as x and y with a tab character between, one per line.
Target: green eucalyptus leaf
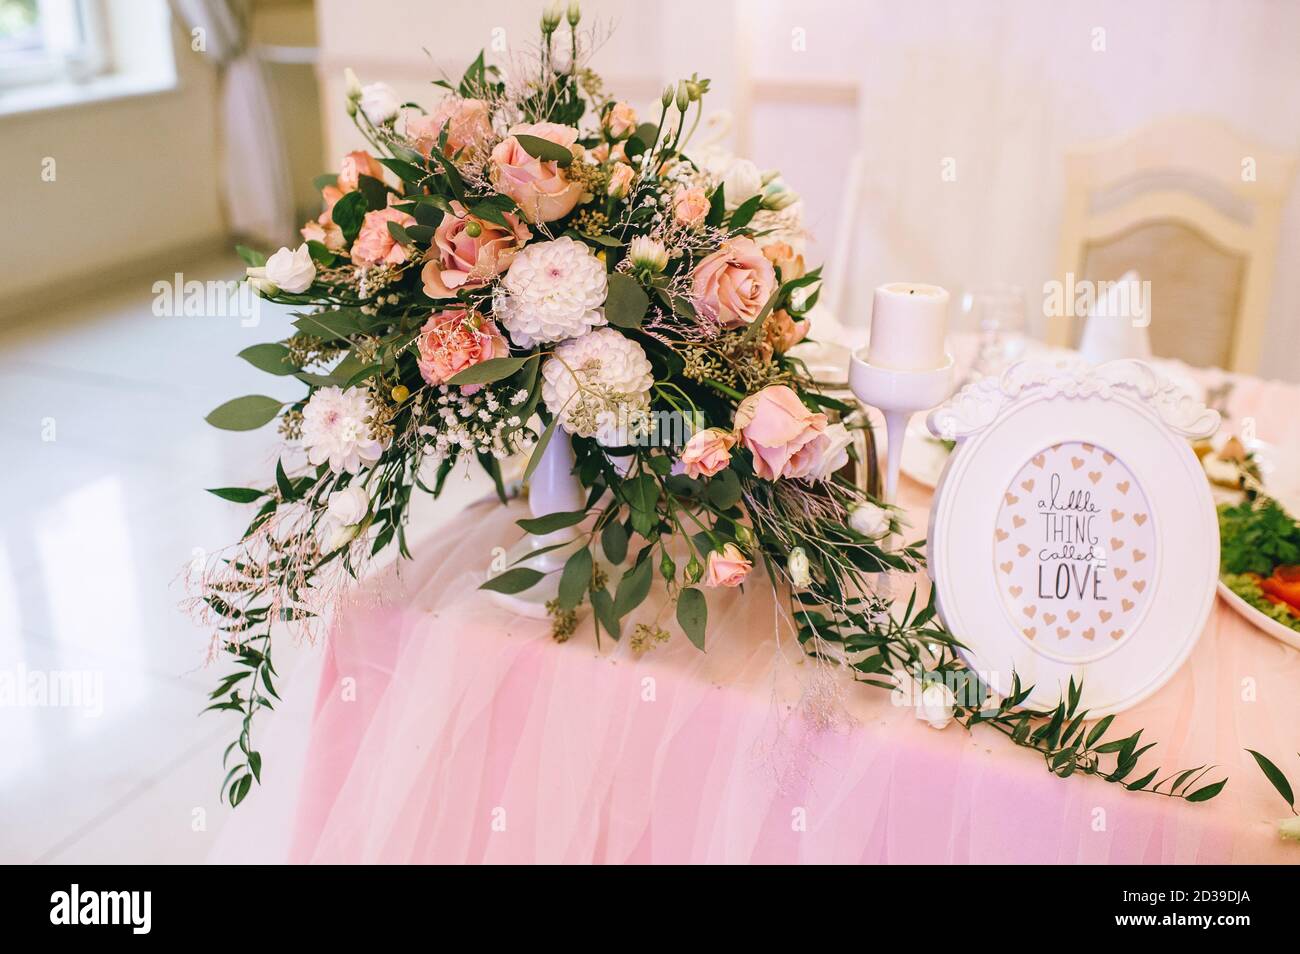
493	369
633	588
693	615
237	494
544	149
626	302
245	413
513	581
349	212
575	578
613	540
270	357
549	523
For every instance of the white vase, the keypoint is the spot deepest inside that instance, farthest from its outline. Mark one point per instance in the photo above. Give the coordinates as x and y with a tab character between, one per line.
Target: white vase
553	488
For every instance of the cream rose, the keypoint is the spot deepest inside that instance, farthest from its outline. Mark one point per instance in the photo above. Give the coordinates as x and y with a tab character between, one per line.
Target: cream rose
541	189
291	271
349	505
733	285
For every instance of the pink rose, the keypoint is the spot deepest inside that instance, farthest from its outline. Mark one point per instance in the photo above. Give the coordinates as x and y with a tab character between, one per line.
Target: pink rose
354	166
541	189
330	194
786	439
706	453
727	567
374	244
620	121
454	340
690	206
733	284
468	123
460	260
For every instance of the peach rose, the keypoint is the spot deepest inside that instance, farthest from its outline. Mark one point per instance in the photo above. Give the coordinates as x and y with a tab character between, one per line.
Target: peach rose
620	121
727	567
706	453
620	181
460	260
690	206
454	340
374	244
786	439
468	123
330	194
733	284
783	256
354	166
324	230
782	332
541	189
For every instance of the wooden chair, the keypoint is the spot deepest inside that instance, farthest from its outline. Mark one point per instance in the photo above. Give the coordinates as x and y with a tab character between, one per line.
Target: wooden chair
1194	209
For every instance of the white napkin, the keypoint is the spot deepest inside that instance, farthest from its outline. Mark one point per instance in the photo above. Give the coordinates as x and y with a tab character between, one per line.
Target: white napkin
1118	321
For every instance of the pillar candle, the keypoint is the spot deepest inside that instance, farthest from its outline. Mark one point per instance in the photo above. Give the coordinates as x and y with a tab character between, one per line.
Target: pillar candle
909	323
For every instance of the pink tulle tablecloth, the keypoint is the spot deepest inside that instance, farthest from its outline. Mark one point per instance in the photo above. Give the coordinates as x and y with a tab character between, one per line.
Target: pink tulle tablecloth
448	730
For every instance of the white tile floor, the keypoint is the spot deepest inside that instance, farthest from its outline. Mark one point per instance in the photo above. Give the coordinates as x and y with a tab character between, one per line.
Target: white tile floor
105	456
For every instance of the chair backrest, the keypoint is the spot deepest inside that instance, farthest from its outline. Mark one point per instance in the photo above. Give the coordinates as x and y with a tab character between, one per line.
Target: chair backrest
1194	208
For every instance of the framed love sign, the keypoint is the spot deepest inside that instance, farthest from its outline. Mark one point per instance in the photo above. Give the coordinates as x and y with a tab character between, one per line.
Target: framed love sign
1073	532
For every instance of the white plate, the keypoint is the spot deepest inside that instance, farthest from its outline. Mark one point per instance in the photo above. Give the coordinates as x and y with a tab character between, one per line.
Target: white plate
1257	619
923	456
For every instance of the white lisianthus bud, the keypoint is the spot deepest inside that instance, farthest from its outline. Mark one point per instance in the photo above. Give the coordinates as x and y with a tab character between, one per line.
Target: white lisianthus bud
666	99
349	505
683	97
574	13
380	103
778	198
648	253
551	18
741	182
797	565
869	520
351	84
291	271
744	536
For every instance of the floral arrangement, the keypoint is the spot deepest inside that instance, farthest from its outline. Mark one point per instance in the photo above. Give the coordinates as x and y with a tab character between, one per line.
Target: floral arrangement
531	262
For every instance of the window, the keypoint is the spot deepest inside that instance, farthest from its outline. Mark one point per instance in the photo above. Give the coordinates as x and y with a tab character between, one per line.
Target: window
48	41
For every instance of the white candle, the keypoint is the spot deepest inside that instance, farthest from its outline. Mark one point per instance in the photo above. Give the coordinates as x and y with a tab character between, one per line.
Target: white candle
909	323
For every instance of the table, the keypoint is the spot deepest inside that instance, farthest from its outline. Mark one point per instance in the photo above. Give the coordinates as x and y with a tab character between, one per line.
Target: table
447	730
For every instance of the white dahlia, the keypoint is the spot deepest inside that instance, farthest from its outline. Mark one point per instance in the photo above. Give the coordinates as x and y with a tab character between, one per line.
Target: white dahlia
598	385
553	290
337	426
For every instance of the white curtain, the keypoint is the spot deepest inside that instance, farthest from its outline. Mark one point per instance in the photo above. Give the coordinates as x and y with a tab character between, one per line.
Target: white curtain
258	194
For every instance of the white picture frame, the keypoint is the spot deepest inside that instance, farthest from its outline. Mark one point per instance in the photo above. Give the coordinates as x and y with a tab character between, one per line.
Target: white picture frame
1073	533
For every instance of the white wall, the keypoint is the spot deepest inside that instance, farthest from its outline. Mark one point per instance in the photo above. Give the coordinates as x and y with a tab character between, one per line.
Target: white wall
135	179
1003	87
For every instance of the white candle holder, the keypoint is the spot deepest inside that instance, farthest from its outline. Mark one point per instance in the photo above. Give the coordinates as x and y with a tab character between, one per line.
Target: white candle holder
899	394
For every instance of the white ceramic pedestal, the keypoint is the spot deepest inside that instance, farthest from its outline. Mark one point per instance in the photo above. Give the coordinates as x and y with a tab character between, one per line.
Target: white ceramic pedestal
898	395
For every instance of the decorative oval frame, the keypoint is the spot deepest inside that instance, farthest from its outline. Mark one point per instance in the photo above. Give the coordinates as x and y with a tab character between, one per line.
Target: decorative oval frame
1145	422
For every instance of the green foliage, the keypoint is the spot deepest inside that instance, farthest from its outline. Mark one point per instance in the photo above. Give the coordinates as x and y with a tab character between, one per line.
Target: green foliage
1257	536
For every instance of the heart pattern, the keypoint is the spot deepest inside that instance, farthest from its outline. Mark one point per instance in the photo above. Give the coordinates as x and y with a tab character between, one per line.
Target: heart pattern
1071	527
